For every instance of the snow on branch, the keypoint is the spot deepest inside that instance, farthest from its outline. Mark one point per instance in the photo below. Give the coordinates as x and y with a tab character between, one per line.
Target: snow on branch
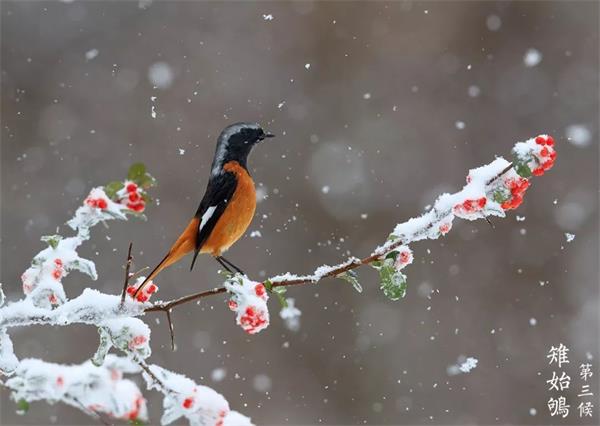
97	386
491	190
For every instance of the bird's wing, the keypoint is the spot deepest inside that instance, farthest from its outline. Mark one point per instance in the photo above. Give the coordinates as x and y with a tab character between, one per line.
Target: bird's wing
218	194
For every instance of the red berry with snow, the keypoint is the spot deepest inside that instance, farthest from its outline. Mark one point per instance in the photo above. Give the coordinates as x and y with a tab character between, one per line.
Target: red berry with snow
137	341
188	403
260	290
131	187
445	228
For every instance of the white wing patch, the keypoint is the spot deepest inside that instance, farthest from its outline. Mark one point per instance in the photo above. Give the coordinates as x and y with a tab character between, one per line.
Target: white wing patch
206	216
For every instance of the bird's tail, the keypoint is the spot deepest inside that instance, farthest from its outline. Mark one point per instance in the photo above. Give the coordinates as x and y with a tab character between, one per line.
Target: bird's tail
184	244
162	265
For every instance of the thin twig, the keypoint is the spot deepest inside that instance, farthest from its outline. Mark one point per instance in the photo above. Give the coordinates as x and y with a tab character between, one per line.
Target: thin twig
146	368
168	311
311	279
127	267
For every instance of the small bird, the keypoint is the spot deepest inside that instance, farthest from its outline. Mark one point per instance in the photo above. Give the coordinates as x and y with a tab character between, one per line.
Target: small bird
228	205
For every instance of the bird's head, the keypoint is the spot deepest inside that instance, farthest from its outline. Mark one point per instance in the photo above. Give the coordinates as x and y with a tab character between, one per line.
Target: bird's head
235	143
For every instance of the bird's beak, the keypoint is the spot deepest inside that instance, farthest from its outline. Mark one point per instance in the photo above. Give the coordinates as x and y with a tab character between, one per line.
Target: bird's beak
269	135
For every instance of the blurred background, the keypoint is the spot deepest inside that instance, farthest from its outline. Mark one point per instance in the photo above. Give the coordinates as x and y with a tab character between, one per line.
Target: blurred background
378	107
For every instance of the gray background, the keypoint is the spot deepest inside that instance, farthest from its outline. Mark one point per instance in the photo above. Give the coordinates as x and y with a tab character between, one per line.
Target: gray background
69	123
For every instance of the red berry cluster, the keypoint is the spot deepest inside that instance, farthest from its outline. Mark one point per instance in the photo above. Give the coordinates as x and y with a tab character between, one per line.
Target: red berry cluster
98	203
517	187
133	199
470	206
253	320
546	155
144	295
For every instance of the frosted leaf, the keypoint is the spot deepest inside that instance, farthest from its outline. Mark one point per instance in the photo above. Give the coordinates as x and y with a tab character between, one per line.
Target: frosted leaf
8	359
290	314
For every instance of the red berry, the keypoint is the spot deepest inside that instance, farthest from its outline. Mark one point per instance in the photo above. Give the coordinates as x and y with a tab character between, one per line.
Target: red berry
538	171
445	228
131	187
540	140
232	305
130	290
102	203
58	262
404	257
544	152
60	381
138	207
134	196
550	141
151	288
57	273
138	341
259	289
482	202
188	403
142	297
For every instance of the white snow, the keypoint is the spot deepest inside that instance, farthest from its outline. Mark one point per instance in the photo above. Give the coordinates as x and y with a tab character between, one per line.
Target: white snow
160	74
469	364
578	135
493	22
291	315
532	58
91	54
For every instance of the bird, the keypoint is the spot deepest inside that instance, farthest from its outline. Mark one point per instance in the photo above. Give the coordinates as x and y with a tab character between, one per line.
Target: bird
227	207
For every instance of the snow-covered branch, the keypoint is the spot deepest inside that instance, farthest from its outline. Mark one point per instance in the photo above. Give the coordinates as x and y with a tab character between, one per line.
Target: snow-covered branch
490	190
97	386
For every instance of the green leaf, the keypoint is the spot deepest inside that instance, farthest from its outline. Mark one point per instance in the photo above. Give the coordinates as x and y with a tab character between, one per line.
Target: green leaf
351	277
147	181
520	166
500	196
136	172
52	240
112	188
268	285
393	282
22	406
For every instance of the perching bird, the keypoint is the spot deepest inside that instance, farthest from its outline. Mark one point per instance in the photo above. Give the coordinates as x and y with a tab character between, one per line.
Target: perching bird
228	205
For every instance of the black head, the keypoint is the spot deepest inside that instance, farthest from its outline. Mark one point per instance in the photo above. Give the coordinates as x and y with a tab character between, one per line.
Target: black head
235	143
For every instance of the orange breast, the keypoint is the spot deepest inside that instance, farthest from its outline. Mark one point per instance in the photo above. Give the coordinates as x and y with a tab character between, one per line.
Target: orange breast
237	215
